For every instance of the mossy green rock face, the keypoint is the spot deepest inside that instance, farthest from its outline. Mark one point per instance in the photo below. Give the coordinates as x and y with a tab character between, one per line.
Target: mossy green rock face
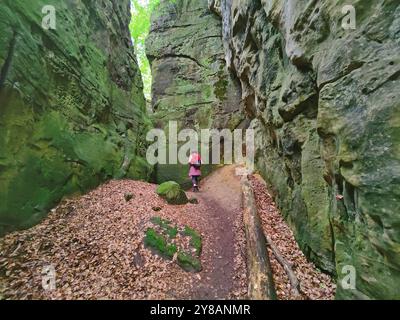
191	84
172	192
72	110
326	106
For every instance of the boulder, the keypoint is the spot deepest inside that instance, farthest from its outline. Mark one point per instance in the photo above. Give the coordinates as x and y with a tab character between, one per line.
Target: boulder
172	192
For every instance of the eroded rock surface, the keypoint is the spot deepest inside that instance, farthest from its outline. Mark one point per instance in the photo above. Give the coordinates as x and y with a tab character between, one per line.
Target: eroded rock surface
325	103
190	82
72	110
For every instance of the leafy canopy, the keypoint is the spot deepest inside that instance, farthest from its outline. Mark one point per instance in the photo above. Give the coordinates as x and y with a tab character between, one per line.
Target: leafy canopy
140	27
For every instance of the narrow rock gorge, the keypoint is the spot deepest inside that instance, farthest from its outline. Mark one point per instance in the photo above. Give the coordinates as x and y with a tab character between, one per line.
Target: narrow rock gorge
72	110
191	84
324	102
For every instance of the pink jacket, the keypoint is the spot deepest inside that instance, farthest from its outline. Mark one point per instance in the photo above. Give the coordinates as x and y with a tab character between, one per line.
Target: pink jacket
193	159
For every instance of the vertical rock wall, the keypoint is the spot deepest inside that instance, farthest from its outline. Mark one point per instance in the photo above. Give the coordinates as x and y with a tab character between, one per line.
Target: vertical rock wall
72	110
325	103
190	82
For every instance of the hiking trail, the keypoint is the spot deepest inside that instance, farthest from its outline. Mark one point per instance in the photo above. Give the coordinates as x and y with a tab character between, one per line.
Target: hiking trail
95	244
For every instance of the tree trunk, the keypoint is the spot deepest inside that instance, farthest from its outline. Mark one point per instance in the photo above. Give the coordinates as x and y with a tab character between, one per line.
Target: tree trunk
261	285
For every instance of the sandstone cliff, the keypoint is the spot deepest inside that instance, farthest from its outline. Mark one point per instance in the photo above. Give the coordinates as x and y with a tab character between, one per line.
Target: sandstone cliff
323	100
190	82
325	103
72	110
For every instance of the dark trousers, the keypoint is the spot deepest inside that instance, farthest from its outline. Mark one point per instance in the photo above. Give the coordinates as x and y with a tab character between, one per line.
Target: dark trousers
195	180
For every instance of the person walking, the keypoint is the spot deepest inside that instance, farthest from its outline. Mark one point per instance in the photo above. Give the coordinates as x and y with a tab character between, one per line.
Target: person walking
195	170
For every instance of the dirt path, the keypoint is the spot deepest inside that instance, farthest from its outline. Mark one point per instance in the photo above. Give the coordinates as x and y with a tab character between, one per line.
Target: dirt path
94	243
225	267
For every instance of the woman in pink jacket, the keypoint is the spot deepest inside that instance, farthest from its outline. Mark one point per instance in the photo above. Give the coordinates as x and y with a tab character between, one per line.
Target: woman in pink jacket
194	171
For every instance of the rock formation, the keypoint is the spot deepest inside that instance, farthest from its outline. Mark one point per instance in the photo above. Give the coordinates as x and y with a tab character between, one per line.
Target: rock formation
323	99
190	82
72	110
325	103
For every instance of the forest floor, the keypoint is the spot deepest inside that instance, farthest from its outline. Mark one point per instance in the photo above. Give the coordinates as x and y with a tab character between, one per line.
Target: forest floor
94	243
314	285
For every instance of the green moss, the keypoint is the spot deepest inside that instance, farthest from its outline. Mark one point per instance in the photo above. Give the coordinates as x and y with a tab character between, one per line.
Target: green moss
66	123
166	226
188	262
159	243
172	193
179	173
195	240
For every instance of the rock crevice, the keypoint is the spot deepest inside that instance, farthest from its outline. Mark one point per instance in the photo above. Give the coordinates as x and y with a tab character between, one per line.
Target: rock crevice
190	82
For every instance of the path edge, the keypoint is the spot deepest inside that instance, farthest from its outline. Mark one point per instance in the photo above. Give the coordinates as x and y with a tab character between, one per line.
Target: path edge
261	284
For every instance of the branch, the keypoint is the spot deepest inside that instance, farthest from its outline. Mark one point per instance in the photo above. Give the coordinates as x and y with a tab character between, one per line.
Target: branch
294	282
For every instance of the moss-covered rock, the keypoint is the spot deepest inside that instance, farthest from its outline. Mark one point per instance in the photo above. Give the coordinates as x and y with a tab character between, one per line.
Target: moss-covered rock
179	173
163	240
72	109
195	239
158	242
172	192
325	104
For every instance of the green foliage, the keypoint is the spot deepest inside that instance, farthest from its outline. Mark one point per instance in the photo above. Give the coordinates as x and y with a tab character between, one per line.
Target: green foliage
140	28
63	129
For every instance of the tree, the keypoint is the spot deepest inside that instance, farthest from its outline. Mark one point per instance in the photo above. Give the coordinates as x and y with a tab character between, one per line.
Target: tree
140	27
